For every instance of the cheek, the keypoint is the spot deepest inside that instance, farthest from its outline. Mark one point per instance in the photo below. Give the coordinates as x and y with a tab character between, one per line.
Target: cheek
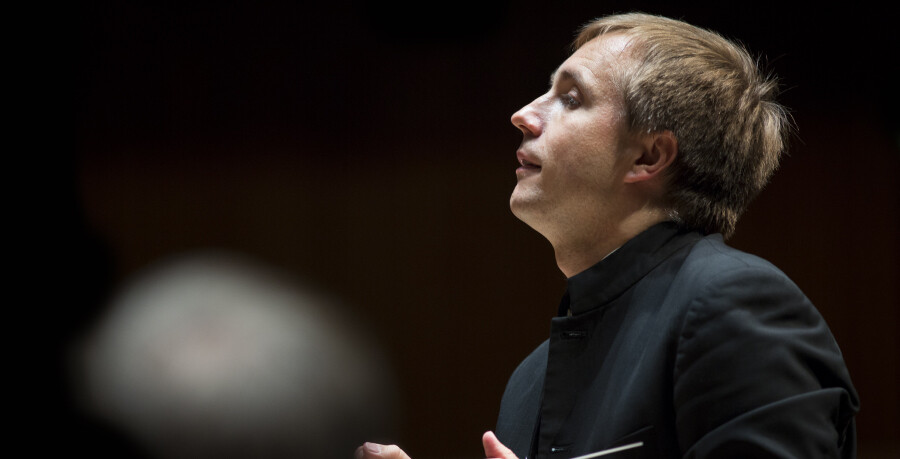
583	152
591	159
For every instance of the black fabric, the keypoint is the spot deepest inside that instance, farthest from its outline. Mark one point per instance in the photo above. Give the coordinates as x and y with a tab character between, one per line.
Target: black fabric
704	350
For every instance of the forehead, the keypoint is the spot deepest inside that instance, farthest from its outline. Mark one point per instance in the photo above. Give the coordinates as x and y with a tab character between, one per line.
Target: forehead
597	61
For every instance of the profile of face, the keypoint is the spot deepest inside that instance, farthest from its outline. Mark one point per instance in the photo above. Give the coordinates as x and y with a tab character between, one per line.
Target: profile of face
576	148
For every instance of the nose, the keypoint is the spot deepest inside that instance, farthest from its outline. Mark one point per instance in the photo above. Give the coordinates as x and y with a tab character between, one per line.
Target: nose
528	120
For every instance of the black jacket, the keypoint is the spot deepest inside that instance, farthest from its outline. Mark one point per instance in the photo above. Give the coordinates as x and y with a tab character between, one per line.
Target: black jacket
689	347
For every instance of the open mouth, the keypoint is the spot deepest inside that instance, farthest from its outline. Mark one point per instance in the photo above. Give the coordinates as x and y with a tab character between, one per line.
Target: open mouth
526	164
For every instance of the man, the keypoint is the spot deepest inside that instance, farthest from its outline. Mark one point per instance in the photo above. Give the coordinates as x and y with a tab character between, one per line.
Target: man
652	140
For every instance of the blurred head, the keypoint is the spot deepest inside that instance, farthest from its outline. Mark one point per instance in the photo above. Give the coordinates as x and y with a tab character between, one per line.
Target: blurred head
212	356
710	94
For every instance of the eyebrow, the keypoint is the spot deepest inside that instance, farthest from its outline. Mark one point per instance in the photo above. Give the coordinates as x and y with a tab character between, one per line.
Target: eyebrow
566	74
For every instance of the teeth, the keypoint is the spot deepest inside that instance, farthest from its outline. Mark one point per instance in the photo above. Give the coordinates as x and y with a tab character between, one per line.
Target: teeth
527	163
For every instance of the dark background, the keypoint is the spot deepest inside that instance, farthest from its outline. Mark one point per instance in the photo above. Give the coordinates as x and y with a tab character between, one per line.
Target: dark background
367	150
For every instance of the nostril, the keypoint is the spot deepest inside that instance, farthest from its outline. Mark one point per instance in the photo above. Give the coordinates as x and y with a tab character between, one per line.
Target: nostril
518	118
527	121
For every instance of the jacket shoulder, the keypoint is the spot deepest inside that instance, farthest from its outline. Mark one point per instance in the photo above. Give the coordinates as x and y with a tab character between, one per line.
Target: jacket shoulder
756	359
710	257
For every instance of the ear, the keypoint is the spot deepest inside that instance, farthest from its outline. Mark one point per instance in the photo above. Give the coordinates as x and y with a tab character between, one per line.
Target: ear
657	153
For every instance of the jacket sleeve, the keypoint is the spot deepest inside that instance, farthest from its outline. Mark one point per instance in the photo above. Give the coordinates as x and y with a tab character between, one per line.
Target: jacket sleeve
758	374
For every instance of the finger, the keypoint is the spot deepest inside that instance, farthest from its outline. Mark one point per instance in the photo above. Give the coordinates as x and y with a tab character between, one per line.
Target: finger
375	451
493	449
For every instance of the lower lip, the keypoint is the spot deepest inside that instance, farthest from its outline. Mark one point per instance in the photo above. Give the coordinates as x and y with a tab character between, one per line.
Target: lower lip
525	170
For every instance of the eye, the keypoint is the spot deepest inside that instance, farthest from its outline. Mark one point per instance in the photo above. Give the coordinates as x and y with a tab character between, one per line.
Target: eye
569	101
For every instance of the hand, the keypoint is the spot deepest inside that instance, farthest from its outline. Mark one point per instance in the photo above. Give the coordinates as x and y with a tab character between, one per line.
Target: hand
493	449
375	451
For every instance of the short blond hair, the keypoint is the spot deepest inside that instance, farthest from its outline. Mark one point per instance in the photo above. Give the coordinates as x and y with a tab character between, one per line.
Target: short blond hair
711	94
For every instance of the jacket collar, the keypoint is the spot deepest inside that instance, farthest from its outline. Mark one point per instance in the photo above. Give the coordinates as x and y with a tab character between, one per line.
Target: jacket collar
606	280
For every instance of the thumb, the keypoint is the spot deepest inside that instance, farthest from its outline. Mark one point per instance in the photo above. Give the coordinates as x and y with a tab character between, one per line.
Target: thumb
375	451
493	449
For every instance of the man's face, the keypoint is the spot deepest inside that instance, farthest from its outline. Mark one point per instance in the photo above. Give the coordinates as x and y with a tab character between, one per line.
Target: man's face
576	147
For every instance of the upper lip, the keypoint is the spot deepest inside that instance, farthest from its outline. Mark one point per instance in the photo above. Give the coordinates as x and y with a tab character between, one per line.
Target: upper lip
527	160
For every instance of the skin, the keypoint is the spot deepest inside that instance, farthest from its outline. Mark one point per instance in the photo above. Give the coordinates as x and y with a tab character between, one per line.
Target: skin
493	449
597	184
586	183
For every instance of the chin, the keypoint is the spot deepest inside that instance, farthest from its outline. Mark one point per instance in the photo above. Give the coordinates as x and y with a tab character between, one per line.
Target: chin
519	205
525	209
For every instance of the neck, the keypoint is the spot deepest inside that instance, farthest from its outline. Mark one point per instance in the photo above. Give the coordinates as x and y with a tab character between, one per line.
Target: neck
578	252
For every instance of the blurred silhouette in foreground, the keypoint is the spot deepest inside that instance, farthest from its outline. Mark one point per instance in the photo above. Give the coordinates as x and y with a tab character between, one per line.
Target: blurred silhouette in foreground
210	356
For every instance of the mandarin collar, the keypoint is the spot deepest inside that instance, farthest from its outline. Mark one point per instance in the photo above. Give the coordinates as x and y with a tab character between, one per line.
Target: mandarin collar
606	280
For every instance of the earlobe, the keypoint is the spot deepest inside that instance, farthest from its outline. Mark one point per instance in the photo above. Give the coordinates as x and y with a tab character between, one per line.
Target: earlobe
658	152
